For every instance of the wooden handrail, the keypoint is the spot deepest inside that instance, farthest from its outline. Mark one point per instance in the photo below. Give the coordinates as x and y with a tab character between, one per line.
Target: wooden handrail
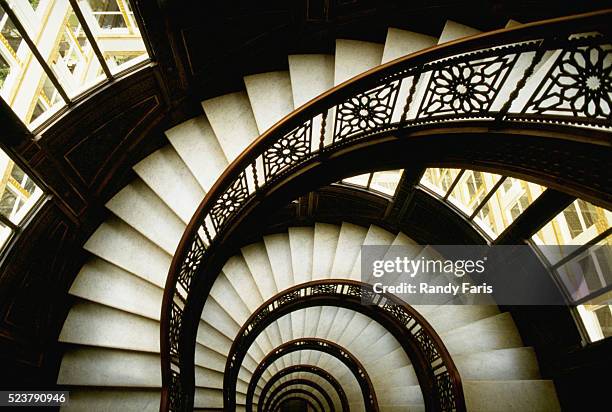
410	328
308	369
191	255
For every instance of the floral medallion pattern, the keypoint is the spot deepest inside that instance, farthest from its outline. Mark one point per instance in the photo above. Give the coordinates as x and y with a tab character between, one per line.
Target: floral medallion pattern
366	111
191	263
230	201
466	87
288	150
176	320
579	84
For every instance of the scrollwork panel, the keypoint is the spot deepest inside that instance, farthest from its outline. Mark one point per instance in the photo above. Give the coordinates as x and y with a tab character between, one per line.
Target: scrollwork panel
288	151
366	111
230	201
579	84
465	87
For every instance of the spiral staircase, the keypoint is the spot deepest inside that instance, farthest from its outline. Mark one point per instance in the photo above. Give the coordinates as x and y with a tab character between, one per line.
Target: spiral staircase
112	333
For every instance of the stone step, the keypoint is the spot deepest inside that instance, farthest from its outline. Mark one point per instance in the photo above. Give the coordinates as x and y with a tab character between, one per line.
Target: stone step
270	96
104	283
115	399
311	75
138	206
93	324
198	147
120	244
523	395
162	171
232	121
354	57
403	42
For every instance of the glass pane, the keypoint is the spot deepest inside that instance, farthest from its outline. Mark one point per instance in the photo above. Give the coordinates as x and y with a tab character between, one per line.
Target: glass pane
386	182
76	59
34	4
10	35
588	272
508	202
360	180
61	41
578	224
5	69
471	189
18	193
439	180
596	315
23	83
5	234
117	33
107	14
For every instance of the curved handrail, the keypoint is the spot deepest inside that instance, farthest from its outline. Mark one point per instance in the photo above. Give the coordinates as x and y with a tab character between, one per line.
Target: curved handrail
321	345
294	382
434	367
367	105
308	369
302	392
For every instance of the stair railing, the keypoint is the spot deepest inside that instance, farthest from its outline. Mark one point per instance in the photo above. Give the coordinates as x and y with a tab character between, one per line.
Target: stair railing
486	79
438	377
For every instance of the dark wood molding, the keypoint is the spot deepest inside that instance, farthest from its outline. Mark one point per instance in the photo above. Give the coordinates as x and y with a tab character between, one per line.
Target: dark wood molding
33	301
405	191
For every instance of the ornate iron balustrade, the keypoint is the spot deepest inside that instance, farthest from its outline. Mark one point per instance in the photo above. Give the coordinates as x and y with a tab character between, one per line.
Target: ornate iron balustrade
486	80
307	369
435	370
290	394
277	394
321	345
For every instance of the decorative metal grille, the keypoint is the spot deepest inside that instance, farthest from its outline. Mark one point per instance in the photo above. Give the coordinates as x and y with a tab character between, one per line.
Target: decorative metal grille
579	84
191	263
230	201
176	320
176	393
366	111
576	92
466	87
430	349
288	151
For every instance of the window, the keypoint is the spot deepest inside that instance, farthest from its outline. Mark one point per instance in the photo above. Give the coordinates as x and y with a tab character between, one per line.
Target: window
588	272
578	245
508	202
491	201
359	180
18	196
471	190
64	51
384	182
577	225
439	180
596	316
